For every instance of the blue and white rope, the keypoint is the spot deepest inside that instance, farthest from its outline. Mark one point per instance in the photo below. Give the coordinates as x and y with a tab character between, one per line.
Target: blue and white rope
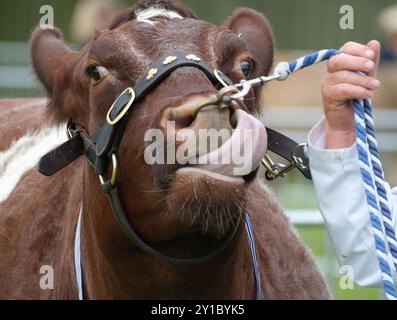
371	171
379	177
285	69
369	174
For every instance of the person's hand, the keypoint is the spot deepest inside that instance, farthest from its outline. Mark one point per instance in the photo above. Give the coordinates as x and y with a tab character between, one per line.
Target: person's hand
342	84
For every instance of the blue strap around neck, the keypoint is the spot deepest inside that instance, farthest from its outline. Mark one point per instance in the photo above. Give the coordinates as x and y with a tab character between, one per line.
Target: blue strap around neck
251	241
77	256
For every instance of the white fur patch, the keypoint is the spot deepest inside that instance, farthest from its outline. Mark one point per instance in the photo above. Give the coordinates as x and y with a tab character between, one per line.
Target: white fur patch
150	13
24	154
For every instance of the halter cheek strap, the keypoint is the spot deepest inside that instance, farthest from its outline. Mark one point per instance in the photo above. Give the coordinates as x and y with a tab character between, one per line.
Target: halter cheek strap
100	146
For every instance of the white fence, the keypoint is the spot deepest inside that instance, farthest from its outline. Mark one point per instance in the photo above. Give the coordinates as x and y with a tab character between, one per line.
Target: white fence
16	76
305	217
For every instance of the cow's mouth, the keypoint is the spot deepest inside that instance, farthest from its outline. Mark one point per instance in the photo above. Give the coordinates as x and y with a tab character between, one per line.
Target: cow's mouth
236	160
241	155
210	195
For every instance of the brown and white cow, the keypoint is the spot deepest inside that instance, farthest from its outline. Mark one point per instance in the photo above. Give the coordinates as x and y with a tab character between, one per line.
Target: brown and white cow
38	215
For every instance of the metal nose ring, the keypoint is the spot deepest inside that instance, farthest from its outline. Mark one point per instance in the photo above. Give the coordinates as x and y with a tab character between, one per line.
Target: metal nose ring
222	100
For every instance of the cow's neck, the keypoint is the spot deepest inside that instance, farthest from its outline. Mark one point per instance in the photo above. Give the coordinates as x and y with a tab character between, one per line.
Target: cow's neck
113	268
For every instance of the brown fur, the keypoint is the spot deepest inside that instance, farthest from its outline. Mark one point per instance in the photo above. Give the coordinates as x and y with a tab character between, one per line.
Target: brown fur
18	117
38	220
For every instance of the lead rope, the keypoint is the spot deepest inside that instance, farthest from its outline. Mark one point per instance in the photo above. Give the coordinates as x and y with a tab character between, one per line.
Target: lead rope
371	169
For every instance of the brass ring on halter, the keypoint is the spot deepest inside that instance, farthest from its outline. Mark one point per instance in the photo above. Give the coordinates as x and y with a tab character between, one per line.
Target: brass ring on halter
222	100
226	91
113	179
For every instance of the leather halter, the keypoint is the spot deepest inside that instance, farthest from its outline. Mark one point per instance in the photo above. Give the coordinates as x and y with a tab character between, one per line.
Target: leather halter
101	148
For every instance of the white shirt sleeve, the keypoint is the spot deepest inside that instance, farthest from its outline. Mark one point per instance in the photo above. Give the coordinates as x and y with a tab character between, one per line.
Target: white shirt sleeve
342	201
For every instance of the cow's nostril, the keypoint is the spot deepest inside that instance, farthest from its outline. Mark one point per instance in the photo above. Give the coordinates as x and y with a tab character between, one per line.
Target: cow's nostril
233	118
183	116
184	121
199	113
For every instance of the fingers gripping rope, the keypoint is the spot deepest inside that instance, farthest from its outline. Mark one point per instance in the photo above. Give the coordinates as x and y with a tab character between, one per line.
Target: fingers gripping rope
371	169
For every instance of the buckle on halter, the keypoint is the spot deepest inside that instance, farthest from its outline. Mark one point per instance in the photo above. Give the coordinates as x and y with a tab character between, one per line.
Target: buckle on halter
113	178
72	129
279	170
120	107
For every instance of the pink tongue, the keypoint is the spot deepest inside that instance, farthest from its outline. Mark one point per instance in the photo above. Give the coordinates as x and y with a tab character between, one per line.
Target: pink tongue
242	153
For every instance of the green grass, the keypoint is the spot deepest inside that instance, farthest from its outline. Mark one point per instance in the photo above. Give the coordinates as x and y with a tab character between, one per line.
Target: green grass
317	240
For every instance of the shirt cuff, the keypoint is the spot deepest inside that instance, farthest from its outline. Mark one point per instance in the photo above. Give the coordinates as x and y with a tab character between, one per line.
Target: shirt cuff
318	152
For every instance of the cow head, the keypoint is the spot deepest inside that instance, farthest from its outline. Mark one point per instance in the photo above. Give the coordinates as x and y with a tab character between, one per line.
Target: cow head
163	200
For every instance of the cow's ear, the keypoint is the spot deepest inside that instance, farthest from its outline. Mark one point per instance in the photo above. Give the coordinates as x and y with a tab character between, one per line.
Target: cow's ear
254	28
55	65
48	51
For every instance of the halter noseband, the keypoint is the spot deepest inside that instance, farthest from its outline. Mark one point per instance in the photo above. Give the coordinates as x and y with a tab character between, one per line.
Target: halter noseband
101	148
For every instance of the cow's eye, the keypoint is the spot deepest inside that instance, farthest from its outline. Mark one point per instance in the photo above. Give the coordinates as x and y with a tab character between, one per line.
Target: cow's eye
97	73
246	68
